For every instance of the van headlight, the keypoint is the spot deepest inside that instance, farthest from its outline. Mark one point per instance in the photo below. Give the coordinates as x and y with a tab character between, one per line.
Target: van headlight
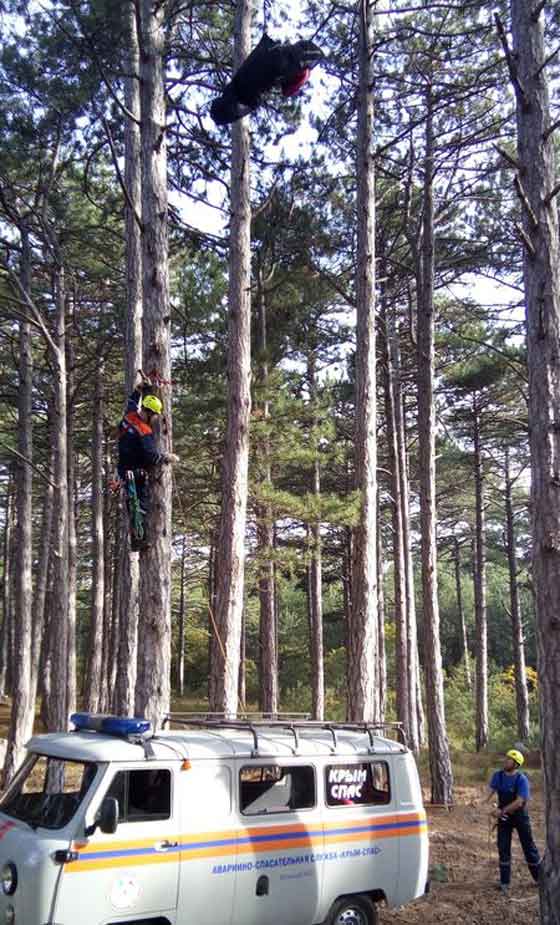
9	878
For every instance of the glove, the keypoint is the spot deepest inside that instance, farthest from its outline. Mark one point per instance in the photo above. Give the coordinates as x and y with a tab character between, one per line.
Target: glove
171	458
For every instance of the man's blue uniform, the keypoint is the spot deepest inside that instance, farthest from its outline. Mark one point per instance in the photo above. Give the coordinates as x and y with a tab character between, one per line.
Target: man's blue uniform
138	452
508	787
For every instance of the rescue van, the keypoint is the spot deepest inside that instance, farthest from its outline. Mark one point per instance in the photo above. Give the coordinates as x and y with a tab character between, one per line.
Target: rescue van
213	823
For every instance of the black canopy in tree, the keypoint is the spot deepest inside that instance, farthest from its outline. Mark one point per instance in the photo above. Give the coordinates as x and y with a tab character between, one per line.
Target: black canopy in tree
270	64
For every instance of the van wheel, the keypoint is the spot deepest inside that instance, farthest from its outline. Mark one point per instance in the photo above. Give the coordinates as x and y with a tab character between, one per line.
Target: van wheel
353	910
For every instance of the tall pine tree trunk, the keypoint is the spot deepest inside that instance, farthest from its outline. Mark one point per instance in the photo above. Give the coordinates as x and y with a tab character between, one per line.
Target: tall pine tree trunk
399	576
381	652
461	610
231	543
23	701
536	155
416	714
93	680
480	591
7	545
521	691
316	570
72	514
152	694
58	623
363	630
129	563
440	762
268	660
41	579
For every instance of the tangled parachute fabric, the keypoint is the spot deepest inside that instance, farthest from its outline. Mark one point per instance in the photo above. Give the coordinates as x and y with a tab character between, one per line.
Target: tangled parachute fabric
270	64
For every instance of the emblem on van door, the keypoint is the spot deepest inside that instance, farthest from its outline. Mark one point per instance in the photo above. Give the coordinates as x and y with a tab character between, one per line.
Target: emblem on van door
125	893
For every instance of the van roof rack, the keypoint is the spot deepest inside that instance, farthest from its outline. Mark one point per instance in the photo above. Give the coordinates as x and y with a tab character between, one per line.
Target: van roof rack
290	722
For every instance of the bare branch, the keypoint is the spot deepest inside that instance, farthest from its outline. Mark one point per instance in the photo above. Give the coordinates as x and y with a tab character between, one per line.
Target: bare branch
512	66
547	61
552	128
538	10
508	157
119	174
526	240
28	463
553	193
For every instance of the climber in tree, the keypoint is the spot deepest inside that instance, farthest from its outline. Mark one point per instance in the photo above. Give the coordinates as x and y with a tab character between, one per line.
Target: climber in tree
270	64
139	456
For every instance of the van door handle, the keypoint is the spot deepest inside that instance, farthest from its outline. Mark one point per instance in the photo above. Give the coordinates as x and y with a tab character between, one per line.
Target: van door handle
165	845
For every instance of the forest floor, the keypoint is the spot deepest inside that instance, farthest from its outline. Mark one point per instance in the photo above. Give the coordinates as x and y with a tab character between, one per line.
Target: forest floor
463	851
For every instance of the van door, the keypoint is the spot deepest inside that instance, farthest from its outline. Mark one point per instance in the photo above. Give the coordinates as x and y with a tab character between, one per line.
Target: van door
281	856
136	870
209	843
362	828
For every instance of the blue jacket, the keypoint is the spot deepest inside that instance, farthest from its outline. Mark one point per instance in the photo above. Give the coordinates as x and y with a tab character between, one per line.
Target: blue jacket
137	446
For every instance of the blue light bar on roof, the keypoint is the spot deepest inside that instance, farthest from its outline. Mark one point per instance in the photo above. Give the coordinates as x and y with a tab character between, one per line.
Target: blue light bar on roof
111	725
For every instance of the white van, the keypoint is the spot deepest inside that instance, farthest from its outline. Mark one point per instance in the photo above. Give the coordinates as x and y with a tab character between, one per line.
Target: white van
217	823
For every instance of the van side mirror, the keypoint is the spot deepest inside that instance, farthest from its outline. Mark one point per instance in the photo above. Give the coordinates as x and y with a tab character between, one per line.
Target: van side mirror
108	816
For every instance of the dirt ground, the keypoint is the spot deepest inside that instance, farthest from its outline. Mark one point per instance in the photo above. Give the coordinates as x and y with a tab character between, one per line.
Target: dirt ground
462	850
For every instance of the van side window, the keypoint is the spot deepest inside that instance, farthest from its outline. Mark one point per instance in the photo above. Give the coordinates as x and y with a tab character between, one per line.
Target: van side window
273	789
364	784
142	795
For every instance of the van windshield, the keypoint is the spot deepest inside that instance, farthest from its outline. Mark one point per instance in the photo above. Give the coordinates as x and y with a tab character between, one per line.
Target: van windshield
47	791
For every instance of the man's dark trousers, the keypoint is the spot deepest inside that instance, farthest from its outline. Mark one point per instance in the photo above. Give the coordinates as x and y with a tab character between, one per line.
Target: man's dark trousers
521	822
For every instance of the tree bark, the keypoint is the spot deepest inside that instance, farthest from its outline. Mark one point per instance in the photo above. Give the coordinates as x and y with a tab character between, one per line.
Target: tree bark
521	691
381	654
399	577
268	660
41	582
536	154
154	634
480	590
461	611
57	717
364	629
316	572
129	563
72	514
181	627
93	684
440	763
231	544
416	713
23	701
7	545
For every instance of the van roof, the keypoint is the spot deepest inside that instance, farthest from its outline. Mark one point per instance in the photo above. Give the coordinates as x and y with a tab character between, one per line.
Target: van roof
213	743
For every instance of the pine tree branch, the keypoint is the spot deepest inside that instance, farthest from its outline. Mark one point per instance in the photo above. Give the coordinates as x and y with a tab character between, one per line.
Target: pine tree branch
120	177
512	67
552	128
28	301
508	157
525	201
538	10
553	193
526	240
547	61
28	462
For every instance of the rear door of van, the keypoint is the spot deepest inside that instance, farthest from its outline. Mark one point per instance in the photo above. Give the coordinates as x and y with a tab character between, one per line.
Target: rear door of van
361	827
281	843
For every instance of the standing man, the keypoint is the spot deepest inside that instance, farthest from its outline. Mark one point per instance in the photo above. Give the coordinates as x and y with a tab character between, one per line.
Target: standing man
511	788
138	453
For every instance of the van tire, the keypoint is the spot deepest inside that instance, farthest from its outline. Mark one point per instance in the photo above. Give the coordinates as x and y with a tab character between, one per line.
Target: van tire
353	910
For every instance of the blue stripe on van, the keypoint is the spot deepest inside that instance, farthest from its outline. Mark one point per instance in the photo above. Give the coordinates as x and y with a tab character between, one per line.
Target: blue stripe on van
255	839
